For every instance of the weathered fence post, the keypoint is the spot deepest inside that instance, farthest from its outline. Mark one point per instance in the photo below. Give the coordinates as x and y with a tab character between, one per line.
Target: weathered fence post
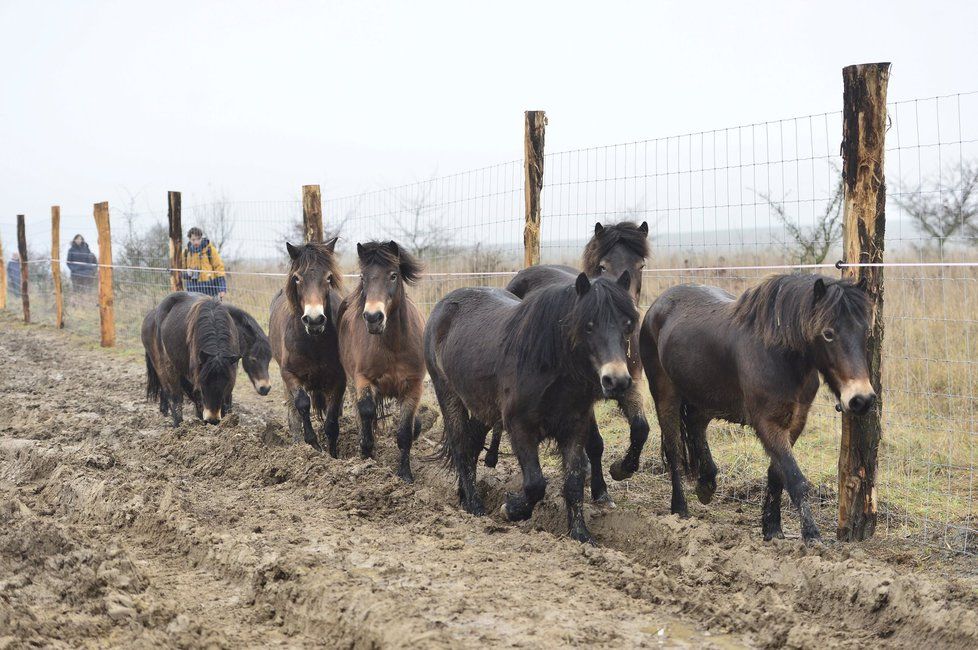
106	307
173	215
863	145
534	129
59	306
24	268
312	213
3	279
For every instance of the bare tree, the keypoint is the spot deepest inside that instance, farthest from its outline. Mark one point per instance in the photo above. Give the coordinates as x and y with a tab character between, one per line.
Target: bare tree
483	259
419	229
142	247
949	213
811	245
296	231
216	219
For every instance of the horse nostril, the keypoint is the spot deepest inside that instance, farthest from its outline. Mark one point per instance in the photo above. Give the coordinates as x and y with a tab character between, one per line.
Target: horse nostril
314	320
264	390
611	383
373	316
861	404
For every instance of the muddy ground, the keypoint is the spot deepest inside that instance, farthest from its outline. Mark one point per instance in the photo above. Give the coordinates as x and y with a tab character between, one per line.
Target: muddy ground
118	530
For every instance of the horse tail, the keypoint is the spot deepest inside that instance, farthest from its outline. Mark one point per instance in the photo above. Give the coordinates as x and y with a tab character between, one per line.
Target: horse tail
153	386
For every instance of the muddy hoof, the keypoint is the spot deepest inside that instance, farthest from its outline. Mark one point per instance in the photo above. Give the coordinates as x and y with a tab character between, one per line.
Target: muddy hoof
334	449
315	445
604	500
705	491
813	540
404	473
584	536
474	507
491	459
366	452
774	534
618	472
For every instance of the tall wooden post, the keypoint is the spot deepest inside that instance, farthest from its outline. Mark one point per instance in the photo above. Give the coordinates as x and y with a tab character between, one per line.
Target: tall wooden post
24	267
864	220
173	215
312	213
106	307
59	306
534	129
3	278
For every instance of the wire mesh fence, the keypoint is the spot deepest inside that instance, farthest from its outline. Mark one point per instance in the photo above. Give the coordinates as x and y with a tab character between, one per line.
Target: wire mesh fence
725	207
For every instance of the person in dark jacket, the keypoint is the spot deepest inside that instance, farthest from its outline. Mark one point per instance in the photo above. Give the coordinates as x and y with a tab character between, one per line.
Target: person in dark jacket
13	275
82	264
205	269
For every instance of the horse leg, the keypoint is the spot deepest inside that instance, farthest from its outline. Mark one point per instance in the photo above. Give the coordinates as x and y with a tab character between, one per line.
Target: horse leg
778	444
405	432
771	515
667	408
331	428
303	405
594	447
492	454
572	452
632	407
176	407
519	505
367	408
164	402
706	483
458	445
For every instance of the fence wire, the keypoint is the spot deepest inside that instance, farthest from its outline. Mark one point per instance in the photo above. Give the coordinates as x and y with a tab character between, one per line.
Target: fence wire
725	207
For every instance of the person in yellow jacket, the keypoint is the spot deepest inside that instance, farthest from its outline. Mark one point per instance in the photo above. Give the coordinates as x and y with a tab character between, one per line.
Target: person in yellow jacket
204	269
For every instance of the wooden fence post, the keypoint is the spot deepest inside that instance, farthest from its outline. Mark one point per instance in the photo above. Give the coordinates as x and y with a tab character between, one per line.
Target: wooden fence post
534	129
3	278
864	220
59	306
173	214
24	268
312	213
106	307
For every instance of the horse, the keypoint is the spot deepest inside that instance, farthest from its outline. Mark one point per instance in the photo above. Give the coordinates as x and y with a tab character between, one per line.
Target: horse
256	351
191	347
380	331
611	251
754	361
536	365
305	342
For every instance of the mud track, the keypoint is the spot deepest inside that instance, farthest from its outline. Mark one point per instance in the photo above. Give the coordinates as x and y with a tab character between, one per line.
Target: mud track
118	530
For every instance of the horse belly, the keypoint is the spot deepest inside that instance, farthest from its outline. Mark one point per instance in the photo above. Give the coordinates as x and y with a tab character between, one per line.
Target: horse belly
704	374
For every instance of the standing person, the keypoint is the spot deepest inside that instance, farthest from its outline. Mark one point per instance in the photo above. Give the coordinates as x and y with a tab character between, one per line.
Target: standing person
204	268
13	275
82	264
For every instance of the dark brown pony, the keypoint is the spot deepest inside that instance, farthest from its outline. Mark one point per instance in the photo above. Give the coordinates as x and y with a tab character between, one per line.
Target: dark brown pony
303	334
380	343
610	252
191	346
755	361
256	350
537	366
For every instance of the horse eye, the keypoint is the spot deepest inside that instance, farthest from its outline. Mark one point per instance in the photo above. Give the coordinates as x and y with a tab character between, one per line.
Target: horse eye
393	276
828	335
628	325
295	278
602	268
589	327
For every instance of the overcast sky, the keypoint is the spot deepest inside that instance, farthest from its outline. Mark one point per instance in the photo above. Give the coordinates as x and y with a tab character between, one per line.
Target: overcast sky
254	99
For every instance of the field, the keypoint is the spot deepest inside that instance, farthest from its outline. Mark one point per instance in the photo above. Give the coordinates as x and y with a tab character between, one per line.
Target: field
117	529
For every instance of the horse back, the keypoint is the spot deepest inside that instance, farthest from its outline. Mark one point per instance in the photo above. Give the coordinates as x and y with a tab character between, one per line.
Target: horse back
538	276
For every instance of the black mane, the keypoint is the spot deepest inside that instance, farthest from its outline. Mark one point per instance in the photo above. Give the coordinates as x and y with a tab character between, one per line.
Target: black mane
625	233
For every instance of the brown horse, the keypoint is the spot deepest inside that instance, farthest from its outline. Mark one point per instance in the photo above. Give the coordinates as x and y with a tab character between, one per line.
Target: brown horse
191	345
537	366
611	251
755	361
303	334
380	343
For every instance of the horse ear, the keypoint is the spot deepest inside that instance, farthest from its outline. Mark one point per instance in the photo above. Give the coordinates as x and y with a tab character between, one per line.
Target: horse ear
598	228
583	284
644	227
331	244
863	283
819	289
359	250
393	248
625	280
203	356
293	250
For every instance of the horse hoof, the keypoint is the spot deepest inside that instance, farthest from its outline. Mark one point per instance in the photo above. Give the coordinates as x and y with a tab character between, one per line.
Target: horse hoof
604	500
583	536
474	508
491	460
505	513
406	475
334	449
776	534
366	453
813	540
618	472
705	491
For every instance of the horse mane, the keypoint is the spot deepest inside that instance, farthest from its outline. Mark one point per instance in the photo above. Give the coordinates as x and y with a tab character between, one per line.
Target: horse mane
255	340
624	233
783	313
311	255
380	253
547	327
205	333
